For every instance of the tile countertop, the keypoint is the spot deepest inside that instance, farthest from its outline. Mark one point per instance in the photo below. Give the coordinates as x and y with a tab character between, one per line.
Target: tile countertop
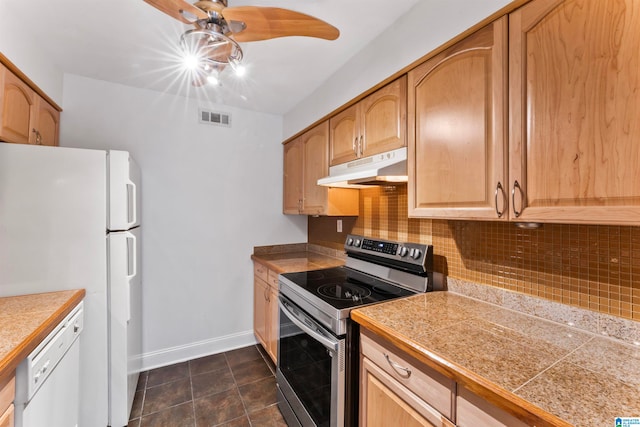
299	257
26	320
546	373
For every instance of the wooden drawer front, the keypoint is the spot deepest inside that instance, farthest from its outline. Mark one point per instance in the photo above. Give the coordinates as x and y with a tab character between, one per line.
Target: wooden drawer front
273	280
474	411
260	271
7	393
388	403
432	387
6	419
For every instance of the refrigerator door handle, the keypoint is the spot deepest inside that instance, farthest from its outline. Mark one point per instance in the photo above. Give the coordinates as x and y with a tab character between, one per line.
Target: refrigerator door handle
132	268
132	208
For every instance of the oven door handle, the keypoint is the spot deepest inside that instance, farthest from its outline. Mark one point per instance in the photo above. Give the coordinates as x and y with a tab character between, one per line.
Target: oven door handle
328	343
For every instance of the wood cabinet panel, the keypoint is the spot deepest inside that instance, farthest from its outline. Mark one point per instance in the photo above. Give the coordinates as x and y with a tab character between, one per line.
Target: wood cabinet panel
7	419
376	124
473	411
47	124
273	326
306	161
396	389
18	109
25	117
429	385
387	403
265	308
292	178
344	134
260	307
574	105
383	116
7	394
315	148
457	137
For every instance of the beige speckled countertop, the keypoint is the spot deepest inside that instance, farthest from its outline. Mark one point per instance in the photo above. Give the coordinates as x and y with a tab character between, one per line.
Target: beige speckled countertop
297	257
543	372
26	320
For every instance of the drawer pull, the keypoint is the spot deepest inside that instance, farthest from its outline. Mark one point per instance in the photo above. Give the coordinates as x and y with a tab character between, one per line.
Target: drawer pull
402	371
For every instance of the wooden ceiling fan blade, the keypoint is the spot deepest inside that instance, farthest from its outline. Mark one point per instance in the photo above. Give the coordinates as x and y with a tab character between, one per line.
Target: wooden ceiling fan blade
173	8
265	23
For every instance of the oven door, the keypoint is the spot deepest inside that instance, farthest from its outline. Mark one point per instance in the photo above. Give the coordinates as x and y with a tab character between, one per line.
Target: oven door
311	370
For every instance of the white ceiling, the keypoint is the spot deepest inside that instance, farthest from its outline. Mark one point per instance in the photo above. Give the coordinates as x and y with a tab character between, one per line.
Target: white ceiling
132	43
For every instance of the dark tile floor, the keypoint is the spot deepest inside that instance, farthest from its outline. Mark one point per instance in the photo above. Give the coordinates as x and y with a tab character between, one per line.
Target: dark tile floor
232	389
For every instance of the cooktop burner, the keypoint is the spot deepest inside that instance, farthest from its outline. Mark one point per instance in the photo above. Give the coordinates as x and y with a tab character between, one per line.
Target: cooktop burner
344	291
343	288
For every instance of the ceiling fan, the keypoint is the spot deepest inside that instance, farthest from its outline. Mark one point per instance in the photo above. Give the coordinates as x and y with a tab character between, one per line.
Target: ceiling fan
213	42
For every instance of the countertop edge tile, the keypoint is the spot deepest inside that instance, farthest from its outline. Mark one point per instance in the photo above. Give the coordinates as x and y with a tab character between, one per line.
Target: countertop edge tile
21	350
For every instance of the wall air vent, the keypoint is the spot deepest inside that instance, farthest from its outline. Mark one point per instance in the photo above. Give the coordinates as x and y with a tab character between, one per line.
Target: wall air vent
215	118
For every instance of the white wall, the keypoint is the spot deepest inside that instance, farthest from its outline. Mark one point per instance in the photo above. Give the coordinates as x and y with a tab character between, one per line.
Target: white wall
209	195
18	44
426	26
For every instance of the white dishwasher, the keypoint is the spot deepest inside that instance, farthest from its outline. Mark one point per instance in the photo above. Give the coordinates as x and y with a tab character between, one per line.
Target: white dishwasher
47	381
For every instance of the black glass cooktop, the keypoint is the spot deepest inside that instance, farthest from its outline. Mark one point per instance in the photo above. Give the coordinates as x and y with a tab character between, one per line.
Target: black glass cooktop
342	287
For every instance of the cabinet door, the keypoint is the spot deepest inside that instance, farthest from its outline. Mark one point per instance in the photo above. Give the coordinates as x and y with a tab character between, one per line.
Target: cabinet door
474	411
17	109
272	324
574	103
315	148
384	402
457	145
260	309
292	177
47	124
7	418
344	136
383	119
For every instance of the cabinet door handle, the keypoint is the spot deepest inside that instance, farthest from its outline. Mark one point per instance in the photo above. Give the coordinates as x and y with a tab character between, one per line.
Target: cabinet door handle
401	370
500	188
361	145
355	145
516	184
38	136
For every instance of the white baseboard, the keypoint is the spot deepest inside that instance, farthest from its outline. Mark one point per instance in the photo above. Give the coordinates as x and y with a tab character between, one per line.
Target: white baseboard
171	355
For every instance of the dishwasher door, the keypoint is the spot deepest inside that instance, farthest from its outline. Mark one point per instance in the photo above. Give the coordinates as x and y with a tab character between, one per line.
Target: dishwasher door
48	380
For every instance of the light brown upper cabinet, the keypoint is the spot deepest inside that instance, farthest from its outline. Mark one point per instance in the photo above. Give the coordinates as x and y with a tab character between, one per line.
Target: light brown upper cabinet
374	125
575	111
457	129
306	159
47	124
25	117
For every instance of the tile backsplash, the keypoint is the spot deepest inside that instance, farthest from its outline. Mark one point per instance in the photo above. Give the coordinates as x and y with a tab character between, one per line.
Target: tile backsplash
590	266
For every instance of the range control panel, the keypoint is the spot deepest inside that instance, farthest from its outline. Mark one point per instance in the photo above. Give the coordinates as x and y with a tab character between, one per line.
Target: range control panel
408	253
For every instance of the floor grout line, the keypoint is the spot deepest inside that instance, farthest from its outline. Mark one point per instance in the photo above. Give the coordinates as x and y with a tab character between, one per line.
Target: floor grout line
189	375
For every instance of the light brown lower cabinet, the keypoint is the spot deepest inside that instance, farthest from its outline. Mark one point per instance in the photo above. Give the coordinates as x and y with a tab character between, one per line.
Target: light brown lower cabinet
473	411
397	389
386	402
7	394
265	308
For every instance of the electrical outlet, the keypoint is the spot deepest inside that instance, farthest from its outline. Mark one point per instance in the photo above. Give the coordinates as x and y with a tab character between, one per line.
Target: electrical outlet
339	225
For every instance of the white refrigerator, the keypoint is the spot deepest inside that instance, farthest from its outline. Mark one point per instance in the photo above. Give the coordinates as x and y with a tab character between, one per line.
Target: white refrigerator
70	218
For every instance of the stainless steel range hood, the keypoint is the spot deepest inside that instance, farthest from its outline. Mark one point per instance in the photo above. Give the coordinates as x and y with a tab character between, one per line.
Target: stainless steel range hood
380	169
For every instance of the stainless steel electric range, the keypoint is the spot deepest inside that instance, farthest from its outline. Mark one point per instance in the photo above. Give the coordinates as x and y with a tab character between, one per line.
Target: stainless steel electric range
317	372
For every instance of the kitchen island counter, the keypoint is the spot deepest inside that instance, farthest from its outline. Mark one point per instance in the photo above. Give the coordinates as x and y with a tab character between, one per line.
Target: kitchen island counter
26	320
543	372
